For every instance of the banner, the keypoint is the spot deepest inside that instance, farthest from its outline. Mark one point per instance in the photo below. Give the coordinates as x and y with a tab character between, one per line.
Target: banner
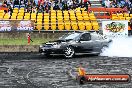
115	28
16	25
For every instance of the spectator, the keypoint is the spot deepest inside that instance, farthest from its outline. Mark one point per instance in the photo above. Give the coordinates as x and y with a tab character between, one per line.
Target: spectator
74	4
16	2
10	10
47	7
107	3
56	5
69	4
114	4
5	2
64	5
36	2
34	9
40	9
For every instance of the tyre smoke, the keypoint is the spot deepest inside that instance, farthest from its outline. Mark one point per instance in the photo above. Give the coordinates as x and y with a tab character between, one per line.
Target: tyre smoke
120	47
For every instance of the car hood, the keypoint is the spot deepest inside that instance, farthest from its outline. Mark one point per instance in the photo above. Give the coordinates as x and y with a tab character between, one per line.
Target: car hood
58	42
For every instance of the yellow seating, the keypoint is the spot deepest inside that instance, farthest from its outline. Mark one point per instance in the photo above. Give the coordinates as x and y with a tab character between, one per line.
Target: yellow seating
74	25
85	14
120	15
33	16
80	18
88	26
73	18
19	17
83	9
21	11
21	14
46	25
26	17
14	14
21	8
115	18
92	18
95	25
60	25
53	20
78	14
39	20
59	14
15	8
114	15
81	25
66	18
40	14
46	17
53	25
15	11
2	15
67	25
128	18
46	14
85	18
122	18
39	17
13	17
1	11
131	15
65	12
7	16
126	14
27	14
78	9
39	25
91	14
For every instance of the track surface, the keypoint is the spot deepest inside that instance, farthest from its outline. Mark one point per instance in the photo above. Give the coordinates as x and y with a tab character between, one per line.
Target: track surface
31	70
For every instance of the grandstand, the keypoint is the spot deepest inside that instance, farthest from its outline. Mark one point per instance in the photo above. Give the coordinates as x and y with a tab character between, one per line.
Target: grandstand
77	19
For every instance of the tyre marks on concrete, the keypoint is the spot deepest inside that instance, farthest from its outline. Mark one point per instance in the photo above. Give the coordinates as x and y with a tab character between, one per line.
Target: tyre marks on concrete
36	71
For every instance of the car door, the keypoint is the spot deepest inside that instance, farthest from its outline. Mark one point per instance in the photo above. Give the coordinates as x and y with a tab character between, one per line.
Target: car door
85	43
97	42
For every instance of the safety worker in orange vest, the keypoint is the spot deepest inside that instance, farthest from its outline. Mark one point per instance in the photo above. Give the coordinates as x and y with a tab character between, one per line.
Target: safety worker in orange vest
81	71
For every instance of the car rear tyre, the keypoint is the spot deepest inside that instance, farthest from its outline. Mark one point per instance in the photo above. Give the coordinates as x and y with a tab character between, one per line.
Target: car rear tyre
69	52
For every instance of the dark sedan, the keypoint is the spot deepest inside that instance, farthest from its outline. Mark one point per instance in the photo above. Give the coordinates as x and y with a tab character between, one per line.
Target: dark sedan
75	43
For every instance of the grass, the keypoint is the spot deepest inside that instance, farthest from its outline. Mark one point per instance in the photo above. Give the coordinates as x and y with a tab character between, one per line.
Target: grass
23	41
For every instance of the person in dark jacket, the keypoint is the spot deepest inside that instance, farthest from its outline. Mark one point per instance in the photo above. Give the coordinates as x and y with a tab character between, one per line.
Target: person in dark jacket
64	5
86	4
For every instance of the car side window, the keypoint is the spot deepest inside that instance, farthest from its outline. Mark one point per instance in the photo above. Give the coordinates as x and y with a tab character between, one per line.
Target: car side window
85	37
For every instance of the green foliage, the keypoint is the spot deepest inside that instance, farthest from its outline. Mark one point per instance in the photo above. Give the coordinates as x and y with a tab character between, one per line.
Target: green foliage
23	41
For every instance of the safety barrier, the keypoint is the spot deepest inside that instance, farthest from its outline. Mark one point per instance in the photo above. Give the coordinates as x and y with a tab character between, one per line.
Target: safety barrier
107	12
4	8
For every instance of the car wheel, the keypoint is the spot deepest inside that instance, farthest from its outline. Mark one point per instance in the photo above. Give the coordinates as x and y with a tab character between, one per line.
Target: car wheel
69	52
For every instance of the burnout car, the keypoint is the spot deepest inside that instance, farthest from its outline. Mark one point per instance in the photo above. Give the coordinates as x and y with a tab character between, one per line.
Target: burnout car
75	43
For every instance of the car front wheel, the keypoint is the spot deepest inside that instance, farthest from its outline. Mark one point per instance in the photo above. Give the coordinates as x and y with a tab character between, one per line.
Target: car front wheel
69	52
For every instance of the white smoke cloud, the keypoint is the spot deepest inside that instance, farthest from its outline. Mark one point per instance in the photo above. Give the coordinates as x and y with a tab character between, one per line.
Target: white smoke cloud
120	47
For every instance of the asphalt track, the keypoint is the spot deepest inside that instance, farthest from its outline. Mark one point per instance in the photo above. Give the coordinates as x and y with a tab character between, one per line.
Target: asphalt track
32	70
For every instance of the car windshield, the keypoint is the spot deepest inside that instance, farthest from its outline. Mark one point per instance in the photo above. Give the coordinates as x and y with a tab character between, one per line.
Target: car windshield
70	36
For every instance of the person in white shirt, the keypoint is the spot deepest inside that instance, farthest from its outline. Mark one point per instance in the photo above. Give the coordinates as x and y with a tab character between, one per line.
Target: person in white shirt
107	3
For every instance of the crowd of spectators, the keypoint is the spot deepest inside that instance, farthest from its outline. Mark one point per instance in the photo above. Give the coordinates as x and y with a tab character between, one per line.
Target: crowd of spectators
46	5
125	4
